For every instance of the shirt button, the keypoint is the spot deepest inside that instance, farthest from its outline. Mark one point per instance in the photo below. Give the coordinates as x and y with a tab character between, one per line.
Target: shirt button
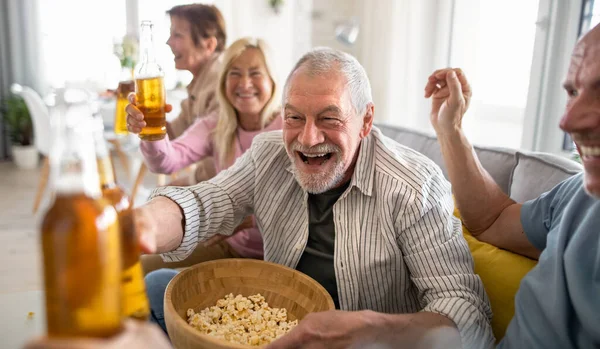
298	246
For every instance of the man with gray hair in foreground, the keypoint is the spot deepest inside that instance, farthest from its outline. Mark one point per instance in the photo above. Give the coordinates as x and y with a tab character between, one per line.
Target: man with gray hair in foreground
367	218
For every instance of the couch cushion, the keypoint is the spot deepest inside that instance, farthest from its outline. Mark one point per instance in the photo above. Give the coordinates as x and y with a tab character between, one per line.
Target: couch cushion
537	173
499	162
501	272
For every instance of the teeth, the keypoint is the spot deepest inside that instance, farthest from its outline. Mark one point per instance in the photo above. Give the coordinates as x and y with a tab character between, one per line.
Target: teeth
314	155
589	151
245	95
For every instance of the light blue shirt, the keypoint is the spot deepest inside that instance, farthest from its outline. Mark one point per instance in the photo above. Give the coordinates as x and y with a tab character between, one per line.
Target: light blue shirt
558	303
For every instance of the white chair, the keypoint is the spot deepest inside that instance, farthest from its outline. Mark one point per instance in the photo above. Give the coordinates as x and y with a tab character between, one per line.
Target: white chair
40	117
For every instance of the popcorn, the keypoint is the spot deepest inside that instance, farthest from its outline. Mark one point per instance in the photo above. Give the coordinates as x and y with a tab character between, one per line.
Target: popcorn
243	320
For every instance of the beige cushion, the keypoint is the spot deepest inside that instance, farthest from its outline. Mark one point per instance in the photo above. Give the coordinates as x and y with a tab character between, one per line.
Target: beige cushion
499	162
537	173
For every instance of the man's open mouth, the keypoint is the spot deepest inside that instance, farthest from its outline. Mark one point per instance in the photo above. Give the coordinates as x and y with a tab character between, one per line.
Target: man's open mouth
314	159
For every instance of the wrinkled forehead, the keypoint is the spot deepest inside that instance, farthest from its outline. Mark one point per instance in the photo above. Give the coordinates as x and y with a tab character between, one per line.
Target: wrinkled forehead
585	60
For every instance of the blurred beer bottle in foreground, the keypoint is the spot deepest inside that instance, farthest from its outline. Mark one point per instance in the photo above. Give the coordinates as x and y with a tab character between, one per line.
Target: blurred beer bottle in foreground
80	243
134	303
150	88
126	86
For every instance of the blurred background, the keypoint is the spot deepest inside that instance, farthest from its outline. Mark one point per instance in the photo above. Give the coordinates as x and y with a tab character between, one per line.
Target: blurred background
515	52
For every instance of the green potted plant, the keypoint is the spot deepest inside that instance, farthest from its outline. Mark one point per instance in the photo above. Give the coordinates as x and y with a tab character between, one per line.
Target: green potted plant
20	128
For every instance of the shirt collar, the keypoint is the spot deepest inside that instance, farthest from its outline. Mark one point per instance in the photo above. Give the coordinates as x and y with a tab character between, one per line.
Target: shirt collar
364	170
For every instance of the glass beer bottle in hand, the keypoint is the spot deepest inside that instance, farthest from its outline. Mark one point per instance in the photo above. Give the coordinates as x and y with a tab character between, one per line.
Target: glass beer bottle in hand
81	244
134	303
150	88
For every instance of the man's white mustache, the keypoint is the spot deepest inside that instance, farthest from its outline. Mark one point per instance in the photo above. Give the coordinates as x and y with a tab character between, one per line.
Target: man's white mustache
319	148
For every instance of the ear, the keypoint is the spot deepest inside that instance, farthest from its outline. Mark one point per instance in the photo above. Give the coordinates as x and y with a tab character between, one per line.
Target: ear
367	121
210	44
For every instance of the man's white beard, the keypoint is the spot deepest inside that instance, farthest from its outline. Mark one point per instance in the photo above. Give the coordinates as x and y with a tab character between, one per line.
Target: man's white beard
317	183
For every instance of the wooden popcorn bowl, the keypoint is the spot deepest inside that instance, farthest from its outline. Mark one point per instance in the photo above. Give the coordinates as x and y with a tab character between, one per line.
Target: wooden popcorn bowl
202	285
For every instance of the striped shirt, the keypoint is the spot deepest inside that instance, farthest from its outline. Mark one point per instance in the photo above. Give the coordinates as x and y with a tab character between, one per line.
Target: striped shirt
398	248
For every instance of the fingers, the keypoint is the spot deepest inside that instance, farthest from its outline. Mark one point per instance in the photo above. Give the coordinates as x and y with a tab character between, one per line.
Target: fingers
462	78
292	340
132	98
454	86
430	87
135	118
439	79
436	81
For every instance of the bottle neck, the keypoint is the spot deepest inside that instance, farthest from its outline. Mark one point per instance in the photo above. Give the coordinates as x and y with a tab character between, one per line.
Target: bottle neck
106	173
73	166
146	44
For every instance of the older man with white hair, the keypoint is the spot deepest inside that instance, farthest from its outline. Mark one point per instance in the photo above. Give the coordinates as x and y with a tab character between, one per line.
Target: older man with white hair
369	219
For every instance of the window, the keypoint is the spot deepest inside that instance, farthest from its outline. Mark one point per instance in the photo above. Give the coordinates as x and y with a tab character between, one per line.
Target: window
494	44
80	48
590	15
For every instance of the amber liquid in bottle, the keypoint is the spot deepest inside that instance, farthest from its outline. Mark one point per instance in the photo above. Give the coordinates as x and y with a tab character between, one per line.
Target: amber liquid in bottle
125	87
150	88
81	248
134	303
150	94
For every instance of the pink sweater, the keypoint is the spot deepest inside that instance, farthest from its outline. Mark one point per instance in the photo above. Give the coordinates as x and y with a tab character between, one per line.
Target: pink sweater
193	145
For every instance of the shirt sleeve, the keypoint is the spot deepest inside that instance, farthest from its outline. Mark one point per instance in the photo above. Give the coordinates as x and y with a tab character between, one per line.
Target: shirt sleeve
441	265
536	217
166	156
182	121
214	206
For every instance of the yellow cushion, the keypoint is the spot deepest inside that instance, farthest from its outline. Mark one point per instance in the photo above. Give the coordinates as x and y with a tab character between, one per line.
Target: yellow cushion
501	272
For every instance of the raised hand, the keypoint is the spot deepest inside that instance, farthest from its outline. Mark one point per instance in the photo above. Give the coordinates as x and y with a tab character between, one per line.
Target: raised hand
135	118
450	97
159	225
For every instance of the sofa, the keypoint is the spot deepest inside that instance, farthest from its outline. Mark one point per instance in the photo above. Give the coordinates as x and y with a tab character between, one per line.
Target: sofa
523	176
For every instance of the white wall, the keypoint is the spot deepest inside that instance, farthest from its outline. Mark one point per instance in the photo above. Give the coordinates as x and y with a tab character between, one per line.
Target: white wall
288	33
400	43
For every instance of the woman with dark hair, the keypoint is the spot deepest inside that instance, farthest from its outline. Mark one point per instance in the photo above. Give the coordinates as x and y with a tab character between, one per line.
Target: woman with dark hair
197	40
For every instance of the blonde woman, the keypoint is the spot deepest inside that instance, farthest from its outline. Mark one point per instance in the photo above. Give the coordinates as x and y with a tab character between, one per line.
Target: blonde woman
248	96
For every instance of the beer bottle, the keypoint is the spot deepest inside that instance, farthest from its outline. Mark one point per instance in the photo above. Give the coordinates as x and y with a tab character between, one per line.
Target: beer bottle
150	88
126	86
134	303
80	243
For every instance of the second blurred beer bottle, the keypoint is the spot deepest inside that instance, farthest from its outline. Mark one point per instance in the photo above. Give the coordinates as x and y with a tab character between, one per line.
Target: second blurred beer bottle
150	88
134	303
80	243
125	87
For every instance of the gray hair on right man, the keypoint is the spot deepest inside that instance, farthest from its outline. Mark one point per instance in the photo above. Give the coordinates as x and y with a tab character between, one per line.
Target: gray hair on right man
322	60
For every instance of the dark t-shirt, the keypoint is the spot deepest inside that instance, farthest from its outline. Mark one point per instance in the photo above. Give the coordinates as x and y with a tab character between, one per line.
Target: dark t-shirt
317	259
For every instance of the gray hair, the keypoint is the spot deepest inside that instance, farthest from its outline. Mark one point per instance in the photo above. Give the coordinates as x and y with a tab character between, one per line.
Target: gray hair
323	60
